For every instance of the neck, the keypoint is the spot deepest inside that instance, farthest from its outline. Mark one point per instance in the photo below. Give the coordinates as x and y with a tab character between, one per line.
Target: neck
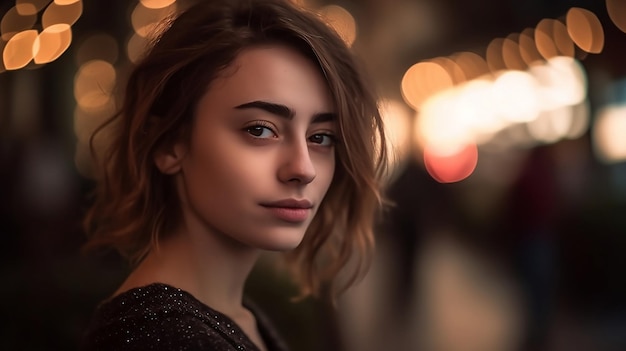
210	265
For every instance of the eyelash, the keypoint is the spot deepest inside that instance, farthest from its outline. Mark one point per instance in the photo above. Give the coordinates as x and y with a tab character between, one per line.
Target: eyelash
263	125
331	137
260	125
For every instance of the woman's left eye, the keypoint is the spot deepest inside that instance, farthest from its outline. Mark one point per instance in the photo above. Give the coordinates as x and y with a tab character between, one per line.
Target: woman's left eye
261	132
322	139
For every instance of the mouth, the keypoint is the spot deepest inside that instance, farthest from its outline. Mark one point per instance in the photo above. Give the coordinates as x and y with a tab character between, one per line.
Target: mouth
290	210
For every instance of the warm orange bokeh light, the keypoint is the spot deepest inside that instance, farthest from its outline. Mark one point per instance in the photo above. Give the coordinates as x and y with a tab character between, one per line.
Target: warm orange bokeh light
55	14
455	72
528	48
93	85
156	4
13	23
511	55
65	2
146	20
450	168
136	47
472	64
19	50
544	38
342	21
585	29
52	42
26	9
494	55
608	134
422	80
617	13
30	7
562	40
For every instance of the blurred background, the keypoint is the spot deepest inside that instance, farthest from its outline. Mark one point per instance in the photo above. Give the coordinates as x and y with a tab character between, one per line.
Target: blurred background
508	124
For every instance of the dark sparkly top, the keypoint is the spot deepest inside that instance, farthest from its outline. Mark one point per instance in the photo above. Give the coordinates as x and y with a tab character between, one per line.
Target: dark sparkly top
162	317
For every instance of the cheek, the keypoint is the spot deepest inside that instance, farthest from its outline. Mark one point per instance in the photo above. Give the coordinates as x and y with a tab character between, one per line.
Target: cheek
326	171
220	170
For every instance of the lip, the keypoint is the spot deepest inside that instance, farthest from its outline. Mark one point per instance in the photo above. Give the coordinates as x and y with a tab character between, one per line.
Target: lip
290	210
289	203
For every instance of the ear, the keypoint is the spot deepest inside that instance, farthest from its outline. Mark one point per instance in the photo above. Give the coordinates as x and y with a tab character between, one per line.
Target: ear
169	159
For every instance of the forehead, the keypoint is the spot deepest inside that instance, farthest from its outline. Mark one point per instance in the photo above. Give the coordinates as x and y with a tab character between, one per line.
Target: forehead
273	73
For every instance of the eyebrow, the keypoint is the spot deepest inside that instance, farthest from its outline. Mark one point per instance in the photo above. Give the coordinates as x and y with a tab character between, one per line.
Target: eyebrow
284	111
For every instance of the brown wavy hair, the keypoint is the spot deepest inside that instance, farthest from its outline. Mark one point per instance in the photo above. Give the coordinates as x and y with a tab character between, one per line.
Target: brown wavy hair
135	203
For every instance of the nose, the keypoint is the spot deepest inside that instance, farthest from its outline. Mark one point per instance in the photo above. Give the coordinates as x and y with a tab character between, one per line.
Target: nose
296	164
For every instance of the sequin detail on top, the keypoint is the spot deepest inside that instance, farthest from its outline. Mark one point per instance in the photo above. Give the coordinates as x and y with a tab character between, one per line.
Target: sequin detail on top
161	317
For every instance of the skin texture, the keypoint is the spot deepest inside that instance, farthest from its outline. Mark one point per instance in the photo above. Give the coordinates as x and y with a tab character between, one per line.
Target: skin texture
239	158
242	158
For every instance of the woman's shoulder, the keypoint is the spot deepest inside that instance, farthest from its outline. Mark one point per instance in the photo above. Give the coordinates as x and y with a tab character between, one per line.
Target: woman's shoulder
161	317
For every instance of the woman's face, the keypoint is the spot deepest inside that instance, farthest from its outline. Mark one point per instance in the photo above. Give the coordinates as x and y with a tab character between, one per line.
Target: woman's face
261	155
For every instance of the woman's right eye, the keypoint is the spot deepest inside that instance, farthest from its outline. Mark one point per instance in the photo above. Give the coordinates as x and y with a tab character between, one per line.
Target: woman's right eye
261	132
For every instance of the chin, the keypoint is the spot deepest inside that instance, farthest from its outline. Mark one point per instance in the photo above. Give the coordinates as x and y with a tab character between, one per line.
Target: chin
280	241
285	245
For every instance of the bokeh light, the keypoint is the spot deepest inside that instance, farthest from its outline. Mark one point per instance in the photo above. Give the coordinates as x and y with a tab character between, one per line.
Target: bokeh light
562	81
581	118
494	55
93	84
451	167
136	47
472	64
56	13
42	43
455	72
544	38
65	2
477	108
30	7
14	22
442	123
342	21
515	96
145	21
585	29
511	55
608	134
19	50
157	4
528	47
422	80
562	40
52	42
617	13
551	126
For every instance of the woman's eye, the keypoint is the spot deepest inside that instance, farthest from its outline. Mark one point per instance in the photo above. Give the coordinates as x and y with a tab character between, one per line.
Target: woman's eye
260	132
322	139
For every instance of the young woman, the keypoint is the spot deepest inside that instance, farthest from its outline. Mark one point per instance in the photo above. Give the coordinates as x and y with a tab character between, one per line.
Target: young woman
246	127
